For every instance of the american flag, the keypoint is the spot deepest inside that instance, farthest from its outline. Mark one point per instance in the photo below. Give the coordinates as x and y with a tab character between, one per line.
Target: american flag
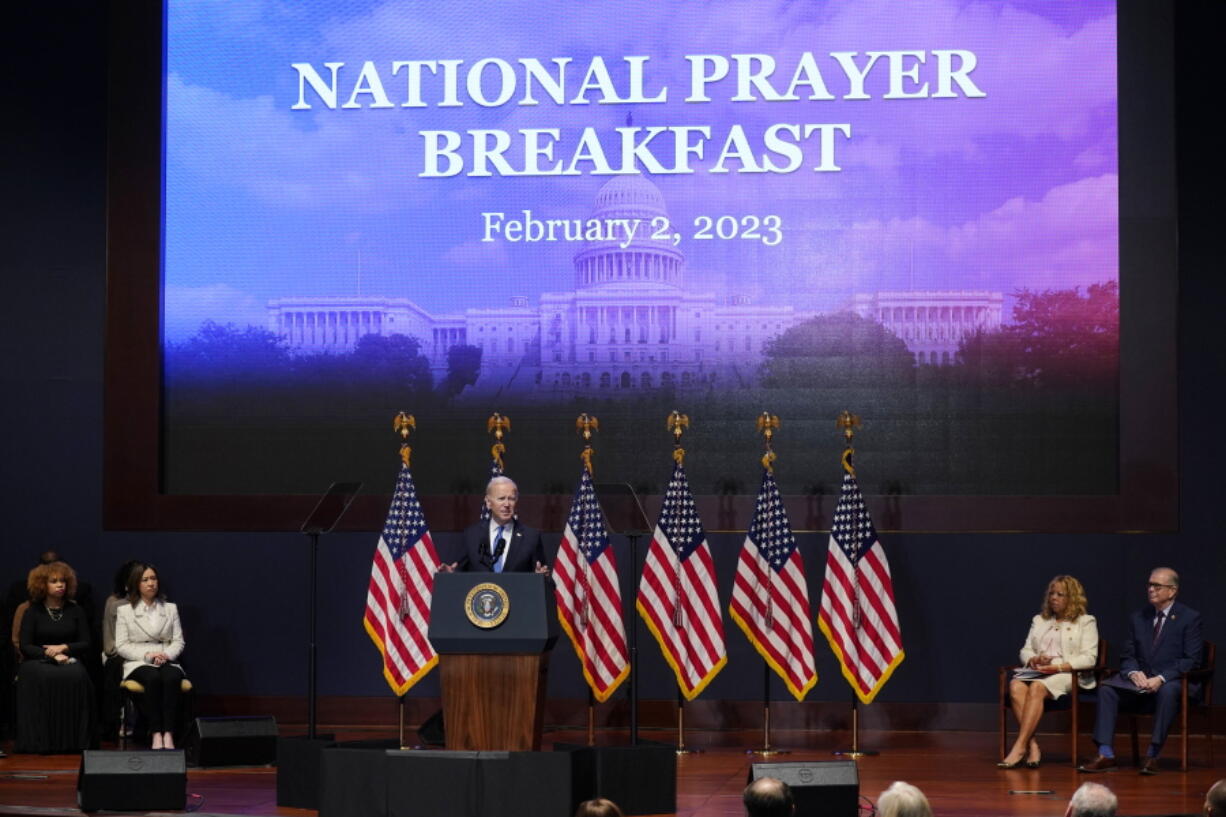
678	598
857	613
495	471
401	584
770	600
589	595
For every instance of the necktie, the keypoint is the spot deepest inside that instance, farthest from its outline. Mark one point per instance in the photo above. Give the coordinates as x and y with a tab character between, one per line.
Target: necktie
501	557
1158	625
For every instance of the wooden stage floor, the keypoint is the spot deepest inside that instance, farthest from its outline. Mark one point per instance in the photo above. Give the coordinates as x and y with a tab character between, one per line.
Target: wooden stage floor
955	769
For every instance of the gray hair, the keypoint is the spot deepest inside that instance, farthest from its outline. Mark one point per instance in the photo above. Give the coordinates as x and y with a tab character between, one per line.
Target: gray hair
903	800
1093	800
1171	571
498	480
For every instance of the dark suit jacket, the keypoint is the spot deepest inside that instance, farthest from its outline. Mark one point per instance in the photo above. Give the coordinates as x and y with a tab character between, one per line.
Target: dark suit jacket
524	549
1178	649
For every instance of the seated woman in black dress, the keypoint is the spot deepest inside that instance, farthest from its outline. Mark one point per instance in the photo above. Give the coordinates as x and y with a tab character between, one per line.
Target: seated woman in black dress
55	698
149	637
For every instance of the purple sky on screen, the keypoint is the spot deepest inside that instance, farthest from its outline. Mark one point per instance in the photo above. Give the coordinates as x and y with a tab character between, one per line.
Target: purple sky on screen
1016	189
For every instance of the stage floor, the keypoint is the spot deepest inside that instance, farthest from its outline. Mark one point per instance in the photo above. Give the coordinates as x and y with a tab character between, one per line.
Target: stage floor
955	769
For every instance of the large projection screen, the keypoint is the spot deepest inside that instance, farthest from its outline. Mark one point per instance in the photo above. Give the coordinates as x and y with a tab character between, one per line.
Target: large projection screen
954	219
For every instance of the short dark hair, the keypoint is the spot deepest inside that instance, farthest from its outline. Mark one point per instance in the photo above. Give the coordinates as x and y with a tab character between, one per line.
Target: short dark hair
768	797
119	585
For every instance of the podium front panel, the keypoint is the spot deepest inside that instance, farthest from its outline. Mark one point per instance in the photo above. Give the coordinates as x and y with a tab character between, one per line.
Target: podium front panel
530	626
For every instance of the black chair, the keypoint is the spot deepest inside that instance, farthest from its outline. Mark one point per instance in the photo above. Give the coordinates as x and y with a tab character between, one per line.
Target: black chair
1072	702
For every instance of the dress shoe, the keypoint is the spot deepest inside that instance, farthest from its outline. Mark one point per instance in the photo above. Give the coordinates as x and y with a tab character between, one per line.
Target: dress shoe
1149	765
1098	764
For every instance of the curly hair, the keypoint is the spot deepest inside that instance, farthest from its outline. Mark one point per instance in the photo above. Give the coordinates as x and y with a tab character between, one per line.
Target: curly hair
40	576
1073	591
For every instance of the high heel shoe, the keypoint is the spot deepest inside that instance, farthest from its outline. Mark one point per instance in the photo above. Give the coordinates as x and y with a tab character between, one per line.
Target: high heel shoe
1001	764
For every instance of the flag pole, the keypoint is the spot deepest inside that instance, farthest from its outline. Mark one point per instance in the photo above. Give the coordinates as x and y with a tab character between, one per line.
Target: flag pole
849	422
401	708
767	424
591	718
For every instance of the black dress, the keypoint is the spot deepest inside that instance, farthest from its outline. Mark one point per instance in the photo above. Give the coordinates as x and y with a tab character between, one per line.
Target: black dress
55	702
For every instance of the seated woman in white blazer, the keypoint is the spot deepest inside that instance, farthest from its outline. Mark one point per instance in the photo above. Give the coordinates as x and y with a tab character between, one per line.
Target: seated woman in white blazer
1062	637
149	638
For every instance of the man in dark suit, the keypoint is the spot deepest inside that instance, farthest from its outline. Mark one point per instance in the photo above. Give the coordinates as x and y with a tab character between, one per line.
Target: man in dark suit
503	544
1164	642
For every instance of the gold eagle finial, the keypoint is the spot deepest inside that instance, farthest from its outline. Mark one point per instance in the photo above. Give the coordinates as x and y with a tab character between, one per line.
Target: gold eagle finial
497	425
677	424
585	424
403	424
848	422
768	424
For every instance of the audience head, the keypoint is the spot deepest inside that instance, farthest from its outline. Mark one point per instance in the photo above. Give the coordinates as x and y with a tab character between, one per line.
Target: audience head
41	576
1065	599
48	556
1215	800
1092	800
119	585
143	582
600	807
768	797
903	800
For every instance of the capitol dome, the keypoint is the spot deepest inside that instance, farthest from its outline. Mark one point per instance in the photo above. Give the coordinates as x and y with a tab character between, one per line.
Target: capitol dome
642	259
628	197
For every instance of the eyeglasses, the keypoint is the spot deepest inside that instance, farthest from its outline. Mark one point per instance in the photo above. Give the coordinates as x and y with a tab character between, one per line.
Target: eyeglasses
1156	586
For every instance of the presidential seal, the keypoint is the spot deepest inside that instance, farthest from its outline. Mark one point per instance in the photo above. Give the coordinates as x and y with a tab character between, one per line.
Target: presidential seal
486	605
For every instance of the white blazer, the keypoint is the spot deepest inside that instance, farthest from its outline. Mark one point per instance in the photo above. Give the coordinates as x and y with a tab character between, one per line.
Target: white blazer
1078	642
136	634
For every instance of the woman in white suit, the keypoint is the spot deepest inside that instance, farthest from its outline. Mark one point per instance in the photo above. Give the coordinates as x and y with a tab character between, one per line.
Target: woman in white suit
1062	637
149	638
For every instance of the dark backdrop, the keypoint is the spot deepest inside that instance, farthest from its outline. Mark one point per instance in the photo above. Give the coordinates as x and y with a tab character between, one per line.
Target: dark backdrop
964	600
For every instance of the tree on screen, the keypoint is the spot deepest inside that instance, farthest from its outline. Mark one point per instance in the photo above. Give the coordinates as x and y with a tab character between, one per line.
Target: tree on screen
463	366
227	349
1057	337
838	349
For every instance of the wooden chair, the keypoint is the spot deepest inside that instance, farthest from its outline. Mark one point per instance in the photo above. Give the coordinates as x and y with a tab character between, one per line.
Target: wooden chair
1072	702
1204	675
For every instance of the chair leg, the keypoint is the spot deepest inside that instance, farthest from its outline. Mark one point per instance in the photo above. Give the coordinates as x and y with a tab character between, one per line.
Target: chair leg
1183	726
1075	725
1004	735
1136	747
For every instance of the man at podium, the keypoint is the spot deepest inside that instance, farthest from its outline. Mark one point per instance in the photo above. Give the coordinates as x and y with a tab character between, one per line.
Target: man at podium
503	544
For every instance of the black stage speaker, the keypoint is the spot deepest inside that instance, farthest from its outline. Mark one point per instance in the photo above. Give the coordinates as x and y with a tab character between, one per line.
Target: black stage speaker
132	781
249	741
822	788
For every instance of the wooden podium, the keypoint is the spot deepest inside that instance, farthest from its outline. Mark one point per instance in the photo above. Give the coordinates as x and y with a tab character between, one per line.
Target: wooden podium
493	633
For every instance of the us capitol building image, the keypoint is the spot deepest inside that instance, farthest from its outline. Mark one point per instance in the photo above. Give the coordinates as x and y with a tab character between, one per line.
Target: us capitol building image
629	324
